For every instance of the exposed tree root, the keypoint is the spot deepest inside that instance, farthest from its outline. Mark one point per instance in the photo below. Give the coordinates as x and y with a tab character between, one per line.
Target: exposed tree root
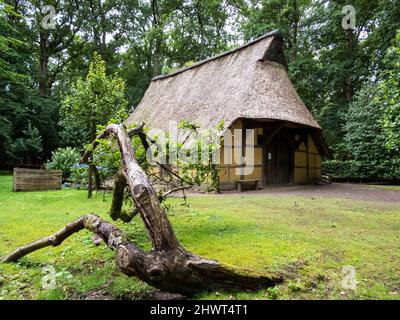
172	270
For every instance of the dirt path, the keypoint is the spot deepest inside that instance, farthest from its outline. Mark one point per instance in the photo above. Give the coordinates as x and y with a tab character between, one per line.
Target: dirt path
360	192
335	190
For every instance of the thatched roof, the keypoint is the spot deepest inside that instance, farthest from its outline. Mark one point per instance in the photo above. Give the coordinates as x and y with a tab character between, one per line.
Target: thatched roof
248	82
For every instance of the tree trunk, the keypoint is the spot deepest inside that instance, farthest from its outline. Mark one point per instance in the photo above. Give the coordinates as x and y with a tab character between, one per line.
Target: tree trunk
168	266
43	64
92	170
156	59
97	179
118	197
349	86
90	181
296	22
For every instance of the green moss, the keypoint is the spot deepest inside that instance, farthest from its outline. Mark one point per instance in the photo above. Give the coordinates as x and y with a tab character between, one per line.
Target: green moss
54	294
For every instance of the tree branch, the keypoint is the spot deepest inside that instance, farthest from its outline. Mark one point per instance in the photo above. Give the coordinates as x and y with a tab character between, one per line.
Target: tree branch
166	194
118	196
54	240
143	193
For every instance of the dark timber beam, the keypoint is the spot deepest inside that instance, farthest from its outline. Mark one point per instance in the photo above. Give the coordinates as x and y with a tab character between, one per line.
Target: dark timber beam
270	136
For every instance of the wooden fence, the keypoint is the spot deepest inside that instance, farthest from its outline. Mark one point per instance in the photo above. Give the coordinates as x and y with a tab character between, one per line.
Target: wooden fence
36	180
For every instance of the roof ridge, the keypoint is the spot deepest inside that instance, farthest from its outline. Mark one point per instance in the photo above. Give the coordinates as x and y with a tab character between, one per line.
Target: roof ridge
275	32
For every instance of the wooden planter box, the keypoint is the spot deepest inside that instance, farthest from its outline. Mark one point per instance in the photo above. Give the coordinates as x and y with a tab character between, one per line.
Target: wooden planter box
36	180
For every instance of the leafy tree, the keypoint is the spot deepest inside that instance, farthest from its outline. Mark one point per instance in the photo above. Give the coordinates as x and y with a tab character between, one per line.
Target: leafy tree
20	101
390	97
370	146
327	64
386	24
8	75
28	148
72	135
52	48
162	35
95	99
289	16
365	138
199	29
17	100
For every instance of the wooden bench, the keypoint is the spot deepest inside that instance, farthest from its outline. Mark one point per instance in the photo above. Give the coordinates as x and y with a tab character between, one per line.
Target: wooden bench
241	184
326	179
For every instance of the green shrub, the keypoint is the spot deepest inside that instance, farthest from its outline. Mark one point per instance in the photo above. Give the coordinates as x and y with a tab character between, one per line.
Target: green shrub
361	170
64	159
340	169
80	175
28	148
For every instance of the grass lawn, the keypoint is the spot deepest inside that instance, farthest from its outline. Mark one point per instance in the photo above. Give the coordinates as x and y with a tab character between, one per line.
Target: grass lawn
385	187
309	239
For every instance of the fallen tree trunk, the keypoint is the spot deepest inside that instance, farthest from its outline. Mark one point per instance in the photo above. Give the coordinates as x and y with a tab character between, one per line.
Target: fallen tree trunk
168	266
172	271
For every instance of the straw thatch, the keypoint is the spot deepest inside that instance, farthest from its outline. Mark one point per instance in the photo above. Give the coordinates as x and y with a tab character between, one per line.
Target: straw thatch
248	82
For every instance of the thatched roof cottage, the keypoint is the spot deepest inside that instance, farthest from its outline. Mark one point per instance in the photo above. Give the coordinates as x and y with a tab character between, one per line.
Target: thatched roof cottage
247	88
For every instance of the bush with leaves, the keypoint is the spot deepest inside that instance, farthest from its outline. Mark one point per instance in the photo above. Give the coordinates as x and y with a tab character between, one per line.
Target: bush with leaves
353	170
79	175
28	148
64	159
193	162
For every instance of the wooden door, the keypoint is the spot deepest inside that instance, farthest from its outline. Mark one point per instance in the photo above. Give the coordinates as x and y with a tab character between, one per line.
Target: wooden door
278	162
271	162
284	162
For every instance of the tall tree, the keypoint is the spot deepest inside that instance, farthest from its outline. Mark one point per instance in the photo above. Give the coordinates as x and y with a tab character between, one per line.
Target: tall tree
389	97
327	63
10	77
265	15
20	103
50	45
365	138
163	35
94	101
